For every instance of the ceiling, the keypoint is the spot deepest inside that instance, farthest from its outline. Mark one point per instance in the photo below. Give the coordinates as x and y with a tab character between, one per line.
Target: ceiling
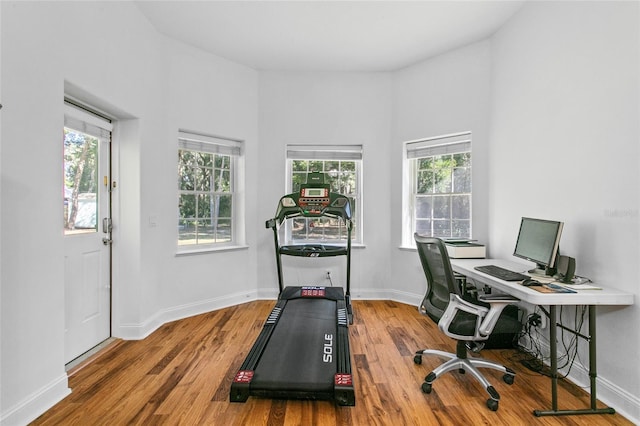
328	35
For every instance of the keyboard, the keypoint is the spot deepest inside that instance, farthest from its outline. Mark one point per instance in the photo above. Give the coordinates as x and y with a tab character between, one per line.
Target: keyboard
503	274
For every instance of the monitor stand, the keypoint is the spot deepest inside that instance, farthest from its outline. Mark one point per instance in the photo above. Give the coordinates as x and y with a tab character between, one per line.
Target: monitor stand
542	271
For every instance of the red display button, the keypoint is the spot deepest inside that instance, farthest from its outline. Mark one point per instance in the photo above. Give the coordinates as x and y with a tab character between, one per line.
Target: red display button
243	376
343	380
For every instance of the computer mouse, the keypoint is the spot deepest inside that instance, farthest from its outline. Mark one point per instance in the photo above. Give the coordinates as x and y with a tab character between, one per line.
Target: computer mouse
529	282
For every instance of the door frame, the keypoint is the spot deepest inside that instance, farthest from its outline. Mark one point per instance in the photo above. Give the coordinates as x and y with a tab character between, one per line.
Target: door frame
89	111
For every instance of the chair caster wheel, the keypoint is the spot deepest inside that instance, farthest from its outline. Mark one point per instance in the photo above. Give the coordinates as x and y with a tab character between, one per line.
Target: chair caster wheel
417	359
508	379
426	387
492	404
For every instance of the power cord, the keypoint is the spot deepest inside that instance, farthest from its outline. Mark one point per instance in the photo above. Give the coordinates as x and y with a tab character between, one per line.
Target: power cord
532	356
329	278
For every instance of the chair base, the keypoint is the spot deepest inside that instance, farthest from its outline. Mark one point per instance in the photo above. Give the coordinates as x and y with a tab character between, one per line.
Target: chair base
459	361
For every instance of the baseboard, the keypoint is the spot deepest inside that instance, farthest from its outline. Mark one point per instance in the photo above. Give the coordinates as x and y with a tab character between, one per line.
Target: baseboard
404	297
625	404
141	330
359	294
174	313
607	392
38	402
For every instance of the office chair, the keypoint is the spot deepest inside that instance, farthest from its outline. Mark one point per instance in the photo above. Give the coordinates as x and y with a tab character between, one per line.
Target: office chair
468	319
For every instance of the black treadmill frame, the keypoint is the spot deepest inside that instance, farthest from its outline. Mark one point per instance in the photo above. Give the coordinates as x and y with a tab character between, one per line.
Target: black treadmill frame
289	206
342	392
339	206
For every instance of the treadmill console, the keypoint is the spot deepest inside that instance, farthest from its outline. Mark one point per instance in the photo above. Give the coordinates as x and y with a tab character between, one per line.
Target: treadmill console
315	199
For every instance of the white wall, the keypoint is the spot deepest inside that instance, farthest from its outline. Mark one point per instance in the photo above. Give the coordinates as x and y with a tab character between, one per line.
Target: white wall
38	55
327	108
153	86
522	93
217	97
564	145
446	94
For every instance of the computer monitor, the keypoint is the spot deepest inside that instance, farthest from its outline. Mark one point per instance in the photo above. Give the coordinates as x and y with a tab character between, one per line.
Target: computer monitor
538	241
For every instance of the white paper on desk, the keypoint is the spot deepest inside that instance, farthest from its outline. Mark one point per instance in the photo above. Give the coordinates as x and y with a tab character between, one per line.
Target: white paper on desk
579	286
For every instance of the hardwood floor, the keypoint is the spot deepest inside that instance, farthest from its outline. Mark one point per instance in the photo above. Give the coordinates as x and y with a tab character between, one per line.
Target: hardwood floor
182	373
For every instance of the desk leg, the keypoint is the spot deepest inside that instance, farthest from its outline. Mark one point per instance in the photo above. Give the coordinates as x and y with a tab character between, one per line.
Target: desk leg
593	374
553	337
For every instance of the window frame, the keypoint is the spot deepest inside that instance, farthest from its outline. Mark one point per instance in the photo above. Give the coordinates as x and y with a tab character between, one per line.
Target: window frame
326	153
226	147
413	152
81	119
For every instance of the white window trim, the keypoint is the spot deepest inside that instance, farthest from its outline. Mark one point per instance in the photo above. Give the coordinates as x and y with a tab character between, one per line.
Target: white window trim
418	148
228	146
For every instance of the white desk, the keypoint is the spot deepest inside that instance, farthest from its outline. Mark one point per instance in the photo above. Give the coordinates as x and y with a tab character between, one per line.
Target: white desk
590	298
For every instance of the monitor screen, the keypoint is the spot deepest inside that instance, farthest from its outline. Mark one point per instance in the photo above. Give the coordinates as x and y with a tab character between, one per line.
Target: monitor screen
538	242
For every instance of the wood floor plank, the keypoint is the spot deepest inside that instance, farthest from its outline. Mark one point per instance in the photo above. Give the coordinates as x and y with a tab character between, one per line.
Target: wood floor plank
182	373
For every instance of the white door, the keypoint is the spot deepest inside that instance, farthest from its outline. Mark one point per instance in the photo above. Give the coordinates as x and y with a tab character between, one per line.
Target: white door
87	231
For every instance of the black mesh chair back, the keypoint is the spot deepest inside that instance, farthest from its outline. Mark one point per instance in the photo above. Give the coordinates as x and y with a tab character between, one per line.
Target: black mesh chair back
441	284
460	316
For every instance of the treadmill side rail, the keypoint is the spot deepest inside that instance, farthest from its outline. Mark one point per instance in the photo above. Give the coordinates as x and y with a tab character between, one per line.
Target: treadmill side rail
241	385
343	392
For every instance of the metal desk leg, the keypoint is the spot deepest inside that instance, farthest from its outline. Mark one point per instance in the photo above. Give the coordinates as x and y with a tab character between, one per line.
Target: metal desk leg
593	374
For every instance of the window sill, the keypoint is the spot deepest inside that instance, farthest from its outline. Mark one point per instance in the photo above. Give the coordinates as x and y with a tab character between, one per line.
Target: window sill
204	250
407	248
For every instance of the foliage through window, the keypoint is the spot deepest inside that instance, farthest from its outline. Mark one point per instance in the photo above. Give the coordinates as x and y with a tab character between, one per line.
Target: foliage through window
440	173
342	168
206	190
85	145
80	181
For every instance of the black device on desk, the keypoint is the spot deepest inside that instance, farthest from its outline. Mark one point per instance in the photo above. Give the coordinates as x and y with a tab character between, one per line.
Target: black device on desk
566	268
538	241
502	273
530	282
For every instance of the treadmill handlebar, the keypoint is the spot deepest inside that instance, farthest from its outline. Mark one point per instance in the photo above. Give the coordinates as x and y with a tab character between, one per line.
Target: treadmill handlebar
294	205
313	201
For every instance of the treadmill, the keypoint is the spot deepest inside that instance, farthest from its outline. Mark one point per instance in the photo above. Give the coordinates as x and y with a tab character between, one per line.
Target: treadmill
302	351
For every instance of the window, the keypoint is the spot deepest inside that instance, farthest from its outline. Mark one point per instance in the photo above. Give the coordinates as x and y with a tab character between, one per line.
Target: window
86	158
342	165
208	181
438	187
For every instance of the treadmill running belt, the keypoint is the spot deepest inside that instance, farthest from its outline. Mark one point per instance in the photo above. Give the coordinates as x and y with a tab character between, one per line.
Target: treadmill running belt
300	358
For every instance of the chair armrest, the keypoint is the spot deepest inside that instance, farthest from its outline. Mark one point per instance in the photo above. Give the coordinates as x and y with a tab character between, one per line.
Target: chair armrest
456	303
486	317
497	303
494	298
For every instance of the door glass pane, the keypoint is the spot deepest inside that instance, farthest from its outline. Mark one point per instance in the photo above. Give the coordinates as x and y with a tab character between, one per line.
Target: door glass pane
80	182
